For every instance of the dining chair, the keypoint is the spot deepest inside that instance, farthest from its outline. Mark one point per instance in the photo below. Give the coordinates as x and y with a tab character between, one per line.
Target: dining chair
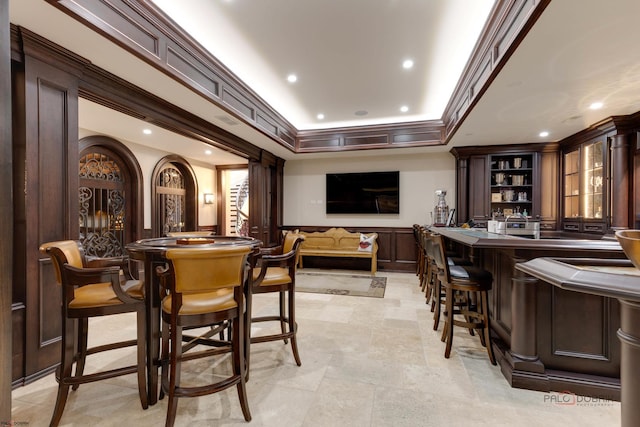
93	287
275	271
202	287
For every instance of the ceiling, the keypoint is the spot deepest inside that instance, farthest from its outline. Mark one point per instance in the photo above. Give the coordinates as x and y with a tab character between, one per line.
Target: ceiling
348	57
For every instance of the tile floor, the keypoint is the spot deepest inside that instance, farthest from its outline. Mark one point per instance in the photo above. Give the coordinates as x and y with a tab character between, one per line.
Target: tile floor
365	362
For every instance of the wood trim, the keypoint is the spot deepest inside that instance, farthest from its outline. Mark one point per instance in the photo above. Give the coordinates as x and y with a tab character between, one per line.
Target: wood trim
6	207
191	196
508	24
143	30
427	133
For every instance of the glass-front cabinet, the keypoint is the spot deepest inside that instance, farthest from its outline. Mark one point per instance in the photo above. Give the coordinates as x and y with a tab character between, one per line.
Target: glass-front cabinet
584	187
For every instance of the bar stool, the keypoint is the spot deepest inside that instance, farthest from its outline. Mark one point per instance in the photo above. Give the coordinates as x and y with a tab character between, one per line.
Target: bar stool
433	292
466	294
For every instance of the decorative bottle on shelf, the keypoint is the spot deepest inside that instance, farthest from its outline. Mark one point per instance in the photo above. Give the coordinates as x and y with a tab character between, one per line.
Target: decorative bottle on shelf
441	211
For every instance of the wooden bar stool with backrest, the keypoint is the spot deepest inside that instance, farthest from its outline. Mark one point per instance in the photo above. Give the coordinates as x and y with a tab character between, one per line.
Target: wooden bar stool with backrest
202	287
466	287
276	272
434	294
90	288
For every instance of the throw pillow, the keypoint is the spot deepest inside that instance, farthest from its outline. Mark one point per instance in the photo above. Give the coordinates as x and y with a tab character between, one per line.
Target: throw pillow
366	243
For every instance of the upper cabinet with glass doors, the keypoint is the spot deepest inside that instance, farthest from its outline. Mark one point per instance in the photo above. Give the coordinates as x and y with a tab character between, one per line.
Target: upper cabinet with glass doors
584	187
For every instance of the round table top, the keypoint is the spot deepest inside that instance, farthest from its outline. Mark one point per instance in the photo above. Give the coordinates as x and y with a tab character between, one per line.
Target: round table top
162	243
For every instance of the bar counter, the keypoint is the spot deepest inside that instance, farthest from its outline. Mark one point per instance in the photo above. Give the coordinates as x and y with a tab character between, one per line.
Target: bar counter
546	337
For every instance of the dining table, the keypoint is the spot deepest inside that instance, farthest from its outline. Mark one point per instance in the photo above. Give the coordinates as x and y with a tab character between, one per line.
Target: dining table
151	253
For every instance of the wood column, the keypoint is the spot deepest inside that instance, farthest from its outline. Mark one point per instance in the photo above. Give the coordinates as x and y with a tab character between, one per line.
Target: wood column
523	352
620	194
462	185
629	335
6	207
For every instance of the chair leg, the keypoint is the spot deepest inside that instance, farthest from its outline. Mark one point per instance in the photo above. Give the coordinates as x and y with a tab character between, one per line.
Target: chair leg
142	354
240	365
487	326
174	373
81	356
293	327
64	370
164	359
283	327
449	322
436	304
428	284
247	335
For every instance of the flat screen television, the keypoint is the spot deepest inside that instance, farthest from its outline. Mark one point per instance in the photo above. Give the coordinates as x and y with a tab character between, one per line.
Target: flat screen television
363	193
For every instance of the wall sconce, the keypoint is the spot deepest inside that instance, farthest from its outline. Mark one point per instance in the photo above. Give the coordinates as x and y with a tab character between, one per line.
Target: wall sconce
208	198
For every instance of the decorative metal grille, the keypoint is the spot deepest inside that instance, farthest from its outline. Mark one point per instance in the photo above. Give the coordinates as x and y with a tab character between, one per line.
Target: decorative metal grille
171	196
101	206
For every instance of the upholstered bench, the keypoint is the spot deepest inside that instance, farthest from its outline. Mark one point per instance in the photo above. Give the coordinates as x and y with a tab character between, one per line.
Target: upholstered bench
338	242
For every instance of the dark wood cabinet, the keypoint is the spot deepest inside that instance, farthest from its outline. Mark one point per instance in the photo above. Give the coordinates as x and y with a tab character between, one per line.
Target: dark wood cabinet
500	180
478	185
512	184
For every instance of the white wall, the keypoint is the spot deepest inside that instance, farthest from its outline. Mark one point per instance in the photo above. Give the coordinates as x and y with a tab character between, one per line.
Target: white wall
420	176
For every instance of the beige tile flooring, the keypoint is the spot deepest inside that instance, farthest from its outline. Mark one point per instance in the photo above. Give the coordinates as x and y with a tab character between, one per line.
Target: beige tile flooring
365	362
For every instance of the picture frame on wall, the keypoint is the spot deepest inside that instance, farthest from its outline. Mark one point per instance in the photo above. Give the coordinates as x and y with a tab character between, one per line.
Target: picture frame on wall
450	222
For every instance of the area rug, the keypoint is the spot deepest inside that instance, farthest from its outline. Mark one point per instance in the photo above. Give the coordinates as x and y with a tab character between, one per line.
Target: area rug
340	283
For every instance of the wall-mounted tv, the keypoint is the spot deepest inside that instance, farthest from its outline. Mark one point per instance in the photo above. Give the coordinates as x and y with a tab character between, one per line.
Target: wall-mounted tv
363	193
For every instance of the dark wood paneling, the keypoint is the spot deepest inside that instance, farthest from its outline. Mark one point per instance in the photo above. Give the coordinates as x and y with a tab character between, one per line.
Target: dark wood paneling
595	350
362	141
6	207
587	313
18	315
478	207
142	29
49	145
506	27
365	137
192	70
405	248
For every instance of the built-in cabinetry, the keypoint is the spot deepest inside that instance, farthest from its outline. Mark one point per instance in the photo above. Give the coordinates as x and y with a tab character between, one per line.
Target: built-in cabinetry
584	186
512	180
494	182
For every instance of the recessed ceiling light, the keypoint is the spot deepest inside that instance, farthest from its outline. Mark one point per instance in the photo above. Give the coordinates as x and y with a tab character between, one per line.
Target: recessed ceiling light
596	105
361	113
543	134
208	152
146	131
292	78
320	116
407	63
404	108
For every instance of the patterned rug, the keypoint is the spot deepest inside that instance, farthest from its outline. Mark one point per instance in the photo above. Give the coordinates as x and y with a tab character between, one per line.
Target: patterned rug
340	283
